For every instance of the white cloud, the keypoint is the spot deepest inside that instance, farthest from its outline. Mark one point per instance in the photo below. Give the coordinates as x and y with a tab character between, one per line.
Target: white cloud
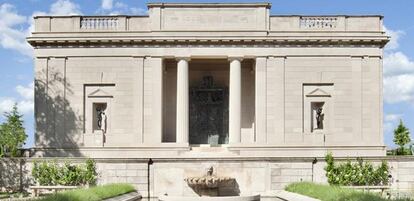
64	7
106	4
23	106
14	28
114	7
397	63
25	103
398	72
12	35
26	92
6	104
395	37
399	88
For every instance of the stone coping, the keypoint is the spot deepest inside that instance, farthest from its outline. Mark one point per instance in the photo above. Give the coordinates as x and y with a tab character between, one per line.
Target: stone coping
267	159
206	198
289	196
133	196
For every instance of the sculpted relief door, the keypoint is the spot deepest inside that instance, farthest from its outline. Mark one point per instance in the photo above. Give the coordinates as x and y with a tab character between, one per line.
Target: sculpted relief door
208	113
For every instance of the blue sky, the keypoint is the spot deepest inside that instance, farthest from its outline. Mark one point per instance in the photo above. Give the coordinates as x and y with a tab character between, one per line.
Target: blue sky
16	63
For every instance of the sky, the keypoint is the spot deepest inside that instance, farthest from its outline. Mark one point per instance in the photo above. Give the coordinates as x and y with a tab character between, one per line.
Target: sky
16	60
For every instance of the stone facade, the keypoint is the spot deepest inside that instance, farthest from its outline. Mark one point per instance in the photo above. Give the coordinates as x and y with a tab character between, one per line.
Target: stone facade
278	70
198	85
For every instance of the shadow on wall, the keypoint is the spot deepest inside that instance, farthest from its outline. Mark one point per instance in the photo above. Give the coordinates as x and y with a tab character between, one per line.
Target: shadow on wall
14	175
58	127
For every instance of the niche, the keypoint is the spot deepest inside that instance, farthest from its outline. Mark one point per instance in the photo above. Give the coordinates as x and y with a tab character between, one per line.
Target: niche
317	116
317	108
99	117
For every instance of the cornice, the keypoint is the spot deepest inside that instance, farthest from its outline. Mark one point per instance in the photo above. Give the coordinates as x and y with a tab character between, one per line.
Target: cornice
108	42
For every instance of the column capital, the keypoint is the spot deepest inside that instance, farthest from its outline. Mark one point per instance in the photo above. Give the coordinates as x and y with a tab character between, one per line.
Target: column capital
183	58
238	58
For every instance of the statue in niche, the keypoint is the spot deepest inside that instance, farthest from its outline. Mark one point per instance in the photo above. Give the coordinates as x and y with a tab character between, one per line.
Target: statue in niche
319	118
101	119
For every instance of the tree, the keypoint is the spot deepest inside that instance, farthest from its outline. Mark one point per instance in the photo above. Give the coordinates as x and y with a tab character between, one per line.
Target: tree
401	136
12	133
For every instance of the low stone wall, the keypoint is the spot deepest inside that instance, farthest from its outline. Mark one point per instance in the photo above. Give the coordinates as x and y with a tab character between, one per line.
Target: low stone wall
166	176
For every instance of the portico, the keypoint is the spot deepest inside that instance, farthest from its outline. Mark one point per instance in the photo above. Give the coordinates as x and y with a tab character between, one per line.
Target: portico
231	91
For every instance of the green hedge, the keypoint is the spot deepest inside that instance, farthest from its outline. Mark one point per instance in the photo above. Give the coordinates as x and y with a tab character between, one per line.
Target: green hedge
51	173
356	174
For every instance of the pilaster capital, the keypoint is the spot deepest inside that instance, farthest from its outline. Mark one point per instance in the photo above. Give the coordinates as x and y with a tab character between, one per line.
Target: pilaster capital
183	58
238	58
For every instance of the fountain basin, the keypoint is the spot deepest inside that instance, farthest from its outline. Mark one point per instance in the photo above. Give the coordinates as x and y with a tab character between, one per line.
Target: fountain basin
220	198
209	181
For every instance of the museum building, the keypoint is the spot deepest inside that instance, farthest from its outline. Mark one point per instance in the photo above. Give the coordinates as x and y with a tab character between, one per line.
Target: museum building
209	82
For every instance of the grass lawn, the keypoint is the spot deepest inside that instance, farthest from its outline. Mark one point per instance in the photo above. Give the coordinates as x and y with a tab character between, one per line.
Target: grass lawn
3	195
90	194
333	193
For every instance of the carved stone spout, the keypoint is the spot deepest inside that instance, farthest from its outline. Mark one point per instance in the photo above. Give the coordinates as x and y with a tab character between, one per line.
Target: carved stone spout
209	184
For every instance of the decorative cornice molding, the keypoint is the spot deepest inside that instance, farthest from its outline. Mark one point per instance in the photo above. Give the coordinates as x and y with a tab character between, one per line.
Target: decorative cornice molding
379	42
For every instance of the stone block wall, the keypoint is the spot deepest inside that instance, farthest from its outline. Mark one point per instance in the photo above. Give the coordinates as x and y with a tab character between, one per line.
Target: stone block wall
284	173
134	173
259	176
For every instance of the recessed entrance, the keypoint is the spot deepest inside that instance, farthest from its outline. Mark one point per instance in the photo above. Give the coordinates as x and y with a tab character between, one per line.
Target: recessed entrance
208	101
209	98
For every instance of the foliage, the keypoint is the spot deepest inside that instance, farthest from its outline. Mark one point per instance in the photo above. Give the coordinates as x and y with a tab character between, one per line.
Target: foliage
359	174
333	193
12	133
401	137
50	173
91	194
398	151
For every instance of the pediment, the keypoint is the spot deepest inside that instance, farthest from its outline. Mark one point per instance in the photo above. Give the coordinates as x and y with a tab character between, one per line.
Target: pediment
318	92
99	93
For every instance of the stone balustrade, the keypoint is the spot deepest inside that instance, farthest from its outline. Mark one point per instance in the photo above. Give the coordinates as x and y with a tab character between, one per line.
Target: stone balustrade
277	23
318	22
107	23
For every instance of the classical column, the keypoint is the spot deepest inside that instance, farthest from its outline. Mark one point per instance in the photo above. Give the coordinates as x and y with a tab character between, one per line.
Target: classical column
182	120
235	101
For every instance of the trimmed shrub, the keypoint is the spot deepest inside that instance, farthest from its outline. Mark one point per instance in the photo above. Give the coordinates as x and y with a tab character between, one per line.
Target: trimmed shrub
51	173
356	174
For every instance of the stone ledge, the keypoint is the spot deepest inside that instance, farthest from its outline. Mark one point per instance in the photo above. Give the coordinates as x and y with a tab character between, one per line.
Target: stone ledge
134	196
288	196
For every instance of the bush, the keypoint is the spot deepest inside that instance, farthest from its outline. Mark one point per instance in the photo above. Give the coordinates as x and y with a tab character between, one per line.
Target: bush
356	174
50	173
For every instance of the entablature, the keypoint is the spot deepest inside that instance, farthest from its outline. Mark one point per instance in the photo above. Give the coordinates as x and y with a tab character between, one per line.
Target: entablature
209	23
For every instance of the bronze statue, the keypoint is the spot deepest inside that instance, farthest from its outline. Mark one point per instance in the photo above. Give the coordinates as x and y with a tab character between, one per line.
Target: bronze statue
319	118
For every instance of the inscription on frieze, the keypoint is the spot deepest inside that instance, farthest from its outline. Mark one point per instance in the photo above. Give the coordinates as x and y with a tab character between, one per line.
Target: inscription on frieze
210	19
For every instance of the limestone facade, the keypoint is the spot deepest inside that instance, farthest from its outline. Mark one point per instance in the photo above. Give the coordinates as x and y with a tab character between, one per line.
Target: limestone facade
135	75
